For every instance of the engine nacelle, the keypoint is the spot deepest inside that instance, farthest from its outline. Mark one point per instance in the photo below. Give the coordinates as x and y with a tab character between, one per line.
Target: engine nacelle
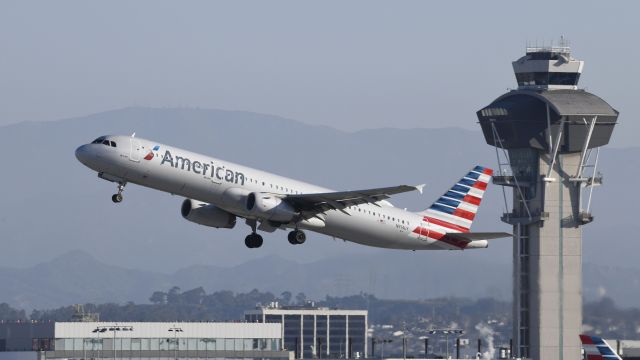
269	207
207	214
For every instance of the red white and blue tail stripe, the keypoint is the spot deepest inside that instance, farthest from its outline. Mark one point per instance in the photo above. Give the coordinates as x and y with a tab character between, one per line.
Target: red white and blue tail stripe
455	210
595	348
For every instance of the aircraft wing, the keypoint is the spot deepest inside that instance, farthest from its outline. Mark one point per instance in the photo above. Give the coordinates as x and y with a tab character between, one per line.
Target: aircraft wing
312	204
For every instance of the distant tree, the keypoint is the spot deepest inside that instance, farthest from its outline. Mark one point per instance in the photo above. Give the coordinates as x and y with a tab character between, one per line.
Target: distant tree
285	297
158	298
8	313
173	296
194	296
301	298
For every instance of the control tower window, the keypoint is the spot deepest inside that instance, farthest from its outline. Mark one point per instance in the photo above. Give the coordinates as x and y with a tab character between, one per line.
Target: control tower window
525	79
560	78
544	55
547	78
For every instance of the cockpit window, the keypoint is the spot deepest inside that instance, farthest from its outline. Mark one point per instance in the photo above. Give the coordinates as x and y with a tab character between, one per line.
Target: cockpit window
98	140
106	142
113	143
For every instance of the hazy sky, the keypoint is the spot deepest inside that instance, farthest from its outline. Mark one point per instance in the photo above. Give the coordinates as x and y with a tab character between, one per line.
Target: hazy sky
346	64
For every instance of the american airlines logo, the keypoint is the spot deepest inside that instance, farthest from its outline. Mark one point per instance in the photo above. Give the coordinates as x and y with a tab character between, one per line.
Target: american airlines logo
152	153
205	169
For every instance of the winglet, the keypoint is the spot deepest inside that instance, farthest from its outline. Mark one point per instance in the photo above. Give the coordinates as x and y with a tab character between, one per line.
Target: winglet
420	187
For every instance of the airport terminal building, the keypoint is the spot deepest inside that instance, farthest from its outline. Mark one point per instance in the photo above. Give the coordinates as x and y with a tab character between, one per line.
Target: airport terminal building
317	332
147	340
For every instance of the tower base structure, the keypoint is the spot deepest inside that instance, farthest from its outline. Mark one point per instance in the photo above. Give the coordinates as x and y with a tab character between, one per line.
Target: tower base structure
547	266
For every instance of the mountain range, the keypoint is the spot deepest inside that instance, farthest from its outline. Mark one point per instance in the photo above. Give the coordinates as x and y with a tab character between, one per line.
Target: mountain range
63	241
77	277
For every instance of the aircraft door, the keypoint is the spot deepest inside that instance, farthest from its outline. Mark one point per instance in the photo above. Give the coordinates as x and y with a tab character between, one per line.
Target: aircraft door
424	230
136	148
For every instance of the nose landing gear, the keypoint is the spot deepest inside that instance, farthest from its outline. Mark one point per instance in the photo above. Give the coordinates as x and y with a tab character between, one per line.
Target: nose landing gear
117	198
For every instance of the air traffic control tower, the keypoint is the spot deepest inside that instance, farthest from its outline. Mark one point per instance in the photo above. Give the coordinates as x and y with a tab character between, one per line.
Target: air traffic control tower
547	135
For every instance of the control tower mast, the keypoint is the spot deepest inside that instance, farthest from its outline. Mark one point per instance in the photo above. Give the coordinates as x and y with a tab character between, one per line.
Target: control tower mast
547	134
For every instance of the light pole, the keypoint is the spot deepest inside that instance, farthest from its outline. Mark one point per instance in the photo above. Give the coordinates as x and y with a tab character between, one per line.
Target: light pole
114	329
382	342
447	332
175	330
206	350
93	343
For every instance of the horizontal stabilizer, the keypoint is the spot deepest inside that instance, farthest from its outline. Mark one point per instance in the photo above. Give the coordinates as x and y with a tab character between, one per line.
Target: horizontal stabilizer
473	236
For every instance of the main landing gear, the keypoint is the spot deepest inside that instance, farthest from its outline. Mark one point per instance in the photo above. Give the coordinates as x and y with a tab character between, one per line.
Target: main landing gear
297	237
116	198
253	240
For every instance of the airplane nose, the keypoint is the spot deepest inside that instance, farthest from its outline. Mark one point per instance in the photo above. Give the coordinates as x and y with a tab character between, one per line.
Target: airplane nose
82	154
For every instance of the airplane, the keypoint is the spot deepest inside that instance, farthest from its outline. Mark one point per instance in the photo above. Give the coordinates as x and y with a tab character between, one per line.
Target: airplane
218	192
596	348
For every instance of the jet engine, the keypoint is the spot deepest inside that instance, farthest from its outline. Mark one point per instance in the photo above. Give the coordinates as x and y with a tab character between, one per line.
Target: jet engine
269	207
207	214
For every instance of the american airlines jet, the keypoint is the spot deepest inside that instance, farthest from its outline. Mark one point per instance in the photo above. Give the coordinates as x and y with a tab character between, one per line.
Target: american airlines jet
218	192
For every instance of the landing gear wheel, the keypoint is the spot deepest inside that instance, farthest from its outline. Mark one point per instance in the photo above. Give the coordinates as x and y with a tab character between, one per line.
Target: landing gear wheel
117	198
253	241
297	237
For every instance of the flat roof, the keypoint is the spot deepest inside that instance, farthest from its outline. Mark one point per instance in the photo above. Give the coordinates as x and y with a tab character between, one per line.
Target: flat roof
239	330
304	311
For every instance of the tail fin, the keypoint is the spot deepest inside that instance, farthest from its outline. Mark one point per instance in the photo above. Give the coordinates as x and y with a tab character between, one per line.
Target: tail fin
456	209
596	348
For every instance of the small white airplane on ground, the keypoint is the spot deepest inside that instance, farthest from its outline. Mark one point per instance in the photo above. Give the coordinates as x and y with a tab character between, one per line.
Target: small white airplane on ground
218	192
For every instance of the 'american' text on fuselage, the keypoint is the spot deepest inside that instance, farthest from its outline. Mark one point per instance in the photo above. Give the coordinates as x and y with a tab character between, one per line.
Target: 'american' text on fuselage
205	169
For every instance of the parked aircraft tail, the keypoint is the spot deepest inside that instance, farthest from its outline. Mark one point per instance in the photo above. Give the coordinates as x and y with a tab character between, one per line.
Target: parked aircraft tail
596	348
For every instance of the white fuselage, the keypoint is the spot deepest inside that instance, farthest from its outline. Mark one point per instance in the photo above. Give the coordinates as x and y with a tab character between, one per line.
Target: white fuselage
224	184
